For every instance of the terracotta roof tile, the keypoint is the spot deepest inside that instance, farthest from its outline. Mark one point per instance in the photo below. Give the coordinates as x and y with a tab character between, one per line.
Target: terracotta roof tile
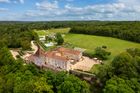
71	51
52	55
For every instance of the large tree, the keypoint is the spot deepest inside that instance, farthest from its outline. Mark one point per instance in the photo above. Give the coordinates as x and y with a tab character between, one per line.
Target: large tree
73	85
117	85
59	39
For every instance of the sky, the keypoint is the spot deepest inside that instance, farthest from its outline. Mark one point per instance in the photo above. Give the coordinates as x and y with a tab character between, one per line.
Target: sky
60	10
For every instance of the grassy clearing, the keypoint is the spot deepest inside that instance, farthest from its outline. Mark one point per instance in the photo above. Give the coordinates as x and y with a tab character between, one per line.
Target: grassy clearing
41	32
90	42
46	32
60	30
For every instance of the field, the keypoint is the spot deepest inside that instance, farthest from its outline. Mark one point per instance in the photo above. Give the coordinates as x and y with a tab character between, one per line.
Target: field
90	42
45	32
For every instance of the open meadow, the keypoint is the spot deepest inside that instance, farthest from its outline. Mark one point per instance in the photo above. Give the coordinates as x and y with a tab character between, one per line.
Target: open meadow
90	42
46	32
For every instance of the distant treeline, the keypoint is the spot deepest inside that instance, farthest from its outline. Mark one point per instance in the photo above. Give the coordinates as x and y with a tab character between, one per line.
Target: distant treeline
122	30
19	34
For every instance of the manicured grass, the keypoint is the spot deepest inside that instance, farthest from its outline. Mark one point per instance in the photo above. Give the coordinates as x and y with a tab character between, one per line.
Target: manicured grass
59	30
41	32
45	32
90	42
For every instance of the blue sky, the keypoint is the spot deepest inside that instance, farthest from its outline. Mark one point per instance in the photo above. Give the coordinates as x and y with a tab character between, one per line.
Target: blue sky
55	10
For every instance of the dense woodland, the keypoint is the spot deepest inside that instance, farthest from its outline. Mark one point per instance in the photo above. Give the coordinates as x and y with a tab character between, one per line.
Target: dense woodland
122	75
16	35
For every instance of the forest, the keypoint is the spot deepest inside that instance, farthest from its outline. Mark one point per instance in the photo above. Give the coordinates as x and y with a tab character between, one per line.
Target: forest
122	75
15	35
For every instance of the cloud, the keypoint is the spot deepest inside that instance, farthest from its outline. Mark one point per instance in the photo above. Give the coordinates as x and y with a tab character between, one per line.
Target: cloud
3	9
89	12
47	5
12	1
53	10
4	1
21	1
131	5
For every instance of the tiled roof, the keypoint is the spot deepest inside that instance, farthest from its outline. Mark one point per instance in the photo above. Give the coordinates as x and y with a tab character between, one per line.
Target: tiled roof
53	56
71	51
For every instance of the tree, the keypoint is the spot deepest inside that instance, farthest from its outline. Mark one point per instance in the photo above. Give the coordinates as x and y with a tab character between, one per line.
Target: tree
101	53
6	57
73	85
137	64
123	65
67	87
24	82
59	39
133	51
26	45
1	85
121	75
117	85
48	38
41	86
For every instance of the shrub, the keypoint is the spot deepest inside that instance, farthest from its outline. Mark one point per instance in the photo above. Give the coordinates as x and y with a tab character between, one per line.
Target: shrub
17	56
105	47
89	54
101	53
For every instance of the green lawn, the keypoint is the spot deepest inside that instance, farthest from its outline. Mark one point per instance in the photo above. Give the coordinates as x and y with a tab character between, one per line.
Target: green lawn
41	32
59	30
45	32
90	42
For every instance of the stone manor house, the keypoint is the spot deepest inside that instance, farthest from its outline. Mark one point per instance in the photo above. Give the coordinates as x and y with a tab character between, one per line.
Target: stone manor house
62	58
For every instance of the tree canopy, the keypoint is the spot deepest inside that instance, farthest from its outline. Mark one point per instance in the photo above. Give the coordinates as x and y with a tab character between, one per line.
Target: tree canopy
121	75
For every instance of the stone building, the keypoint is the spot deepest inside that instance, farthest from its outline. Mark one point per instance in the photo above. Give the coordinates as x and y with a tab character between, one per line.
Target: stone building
61	58
70	53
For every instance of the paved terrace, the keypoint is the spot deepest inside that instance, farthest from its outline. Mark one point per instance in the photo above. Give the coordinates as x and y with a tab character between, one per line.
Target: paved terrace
85	64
